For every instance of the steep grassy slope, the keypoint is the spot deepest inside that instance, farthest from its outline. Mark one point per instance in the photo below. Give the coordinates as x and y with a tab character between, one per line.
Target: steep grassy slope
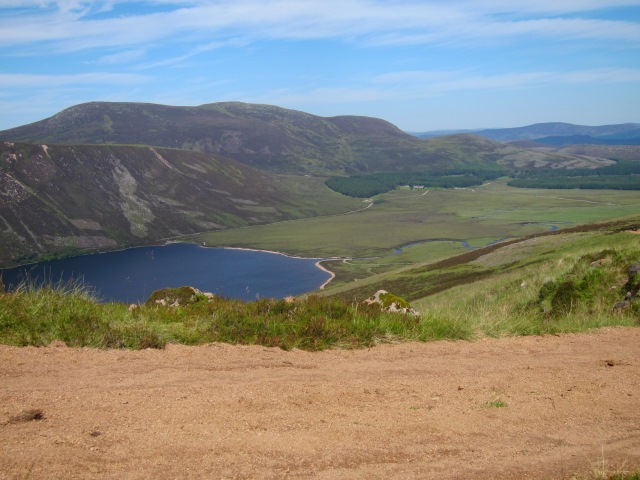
64	198
556	283
558	256
275	139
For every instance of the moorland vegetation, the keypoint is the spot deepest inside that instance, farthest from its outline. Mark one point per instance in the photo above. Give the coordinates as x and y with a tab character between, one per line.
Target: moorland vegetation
545	284
475	255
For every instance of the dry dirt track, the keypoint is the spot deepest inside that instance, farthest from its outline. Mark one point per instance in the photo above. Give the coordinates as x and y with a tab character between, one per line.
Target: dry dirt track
394	411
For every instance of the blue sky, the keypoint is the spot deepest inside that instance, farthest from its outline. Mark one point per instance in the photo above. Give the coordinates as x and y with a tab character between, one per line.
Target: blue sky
422	65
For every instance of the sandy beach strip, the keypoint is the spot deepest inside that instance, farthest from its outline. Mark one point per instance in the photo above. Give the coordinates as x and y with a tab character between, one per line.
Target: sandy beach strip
322	267
318	263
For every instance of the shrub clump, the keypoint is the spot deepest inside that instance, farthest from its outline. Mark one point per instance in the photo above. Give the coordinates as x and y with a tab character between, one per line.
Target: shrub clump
177	297
595	279
39	316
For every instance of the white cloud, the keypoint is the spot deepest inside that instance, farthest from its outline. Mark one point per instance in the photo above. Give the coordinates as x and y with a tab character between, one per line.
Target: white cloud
20	80
544	6
121	57
426	84
412	83
565	28
167	62
555	29
69	27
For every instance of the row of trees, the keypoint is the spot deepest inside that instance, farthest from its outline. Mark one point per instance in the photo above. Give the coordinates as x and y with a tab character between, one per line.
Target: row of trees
623	175
601	182
363	186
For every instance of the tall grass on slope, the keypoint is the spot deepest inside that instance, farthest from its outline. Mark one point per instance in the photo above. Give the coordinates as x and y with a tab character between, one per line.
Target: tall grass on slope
38	316
573	291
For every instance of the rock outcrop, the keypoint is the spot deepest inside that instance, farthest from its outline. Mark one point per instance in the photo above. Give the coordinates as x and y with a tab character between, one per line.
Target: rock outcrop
632	287
389	302
178	297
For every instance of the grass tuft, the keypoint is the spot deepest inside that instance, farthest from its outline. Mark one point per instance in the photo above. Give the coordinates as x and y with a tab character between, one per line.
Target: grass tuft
39	316
496	404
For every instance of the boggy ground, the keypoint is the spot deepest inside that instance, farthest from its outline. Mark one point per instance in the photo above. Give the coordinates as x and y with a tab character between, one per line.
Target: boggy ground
531	407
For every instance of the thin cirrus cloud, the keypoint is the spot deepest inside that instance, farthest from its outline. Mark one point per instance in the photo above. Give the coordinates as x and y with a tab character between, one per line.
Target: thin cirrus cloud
426	84
74	25
125	56
551	7
537	79
275	19
553	29
465	80
172	61
48	81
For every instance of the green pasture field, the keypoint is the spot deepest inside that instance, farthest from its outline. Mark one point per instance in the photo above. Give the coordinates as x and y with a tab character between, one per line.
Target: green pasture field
434	223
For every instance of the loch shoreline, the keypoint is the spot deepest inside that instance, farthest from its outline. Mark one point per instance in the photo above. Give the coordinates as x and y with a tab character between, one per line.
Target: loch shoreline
318	263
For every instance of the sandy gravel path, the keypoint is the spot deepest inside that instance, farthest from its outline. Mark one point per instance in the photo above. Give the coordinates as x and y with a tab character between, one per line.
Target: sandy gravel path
395	411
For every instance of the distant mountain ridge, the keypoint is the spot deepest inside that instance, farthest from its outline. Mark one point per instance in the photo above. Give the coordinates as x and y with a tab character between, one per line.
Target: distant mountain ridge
601	135
275	139
264	136
563	141
440	133
557	129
